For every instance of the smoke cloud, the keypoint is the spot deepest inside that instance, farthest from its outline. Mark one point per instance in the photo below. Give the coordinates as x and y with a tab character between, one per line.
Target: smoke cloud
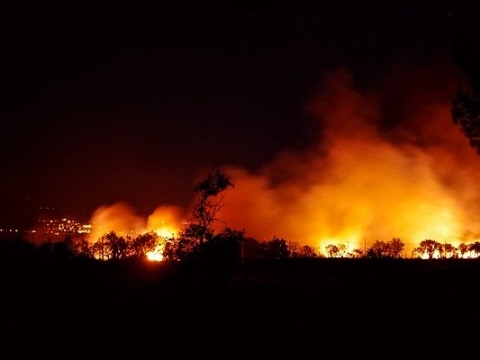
388	162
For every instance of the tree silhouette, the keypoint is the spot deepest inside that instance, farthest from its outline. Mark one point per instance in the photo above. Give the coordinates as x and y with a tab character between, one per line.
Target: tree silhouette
430	248
209	195
474	248
209	257
251	248
181	248
143	244
332	250
378	250
465	109
386	249
276	249
462	249
16	248
396	246
222	254
111	246
357	253
450	251
62	249
307	251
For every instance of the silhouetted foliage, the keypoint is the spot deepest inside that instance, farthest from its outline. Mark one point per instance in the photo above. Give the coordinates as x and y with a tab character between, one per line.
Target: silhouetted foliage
462	249
474	248
221	256
181	248
17	248
143	244
251	248
383	249
209	195
466	114
340	251
378	250
275	249
429	248
466	101
357	253
396	246
212	257
83	249
307	251
111	246
332	250
450	251
60	250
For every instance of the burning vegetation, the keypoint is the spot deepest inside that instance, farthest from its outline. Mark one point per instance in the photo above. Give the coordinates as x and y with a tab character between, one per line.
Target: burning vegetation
387	163
387	166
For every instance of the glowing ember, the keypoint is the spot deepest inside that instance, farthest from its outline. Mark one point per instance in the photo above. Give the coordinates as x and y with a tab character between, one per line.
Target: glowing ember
156	255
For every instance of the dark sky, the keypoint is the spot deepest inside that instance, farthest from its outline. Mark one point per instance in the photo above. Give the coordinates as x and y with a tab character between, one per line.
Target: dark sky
129	102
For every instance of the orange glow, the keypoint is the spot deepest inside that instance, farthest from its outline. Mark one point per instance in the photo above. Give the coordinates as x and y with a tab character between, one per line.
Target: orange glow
165	221
366	181
155	255
366	178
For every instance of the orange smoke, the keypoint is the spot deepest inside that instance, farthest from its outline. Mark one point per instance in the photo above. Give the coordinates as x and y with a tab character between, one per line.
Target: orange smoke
388	163
367	179
165	221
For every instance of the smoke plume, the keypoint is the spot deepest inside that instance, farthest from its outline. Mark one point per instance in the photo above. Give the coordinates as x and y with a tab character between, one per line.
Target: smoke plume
388	162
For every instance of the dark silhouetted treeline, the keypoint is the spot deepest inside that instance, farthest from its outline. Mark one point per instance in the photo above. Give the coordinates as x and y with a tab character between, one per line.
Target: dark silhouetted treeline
226	295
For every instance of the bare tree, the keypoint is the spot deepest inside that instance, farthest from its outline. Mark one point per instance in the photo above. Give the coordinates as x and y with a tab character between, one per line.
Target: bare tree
209	195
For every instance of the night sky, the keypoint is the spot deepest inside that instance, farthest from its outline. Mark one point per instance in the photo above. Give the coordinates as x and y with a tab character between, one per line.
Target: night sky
131	102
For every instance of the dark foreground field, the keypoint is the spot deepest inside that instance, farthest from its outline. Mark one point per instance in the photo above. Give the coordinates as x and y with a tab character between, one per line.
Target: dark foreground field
378	308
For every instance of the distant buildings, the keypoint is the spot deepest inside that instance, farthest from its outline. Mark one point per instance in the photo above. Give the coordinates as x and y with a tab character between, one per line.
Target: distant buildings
49	227
58	229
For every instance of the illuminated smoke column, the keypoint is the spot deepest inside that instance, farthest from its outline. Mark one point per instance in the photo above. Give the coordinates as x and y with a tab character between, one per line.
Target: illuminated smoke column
386	164
368	177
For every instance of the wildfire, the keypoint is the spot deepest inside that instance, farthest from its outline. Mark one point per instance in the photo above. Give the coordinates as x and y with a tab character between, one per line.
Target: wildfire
121	218
387	163
369	177
165	231
155	255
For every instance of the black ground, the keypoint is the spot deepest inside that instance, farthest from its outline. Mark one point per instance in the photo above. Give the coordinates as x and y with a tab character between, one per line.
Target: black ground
310	306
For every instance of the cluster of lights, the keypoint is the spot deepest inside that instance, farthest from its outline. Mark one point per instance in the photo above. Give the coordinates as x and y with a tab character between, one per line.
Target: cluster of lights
63	227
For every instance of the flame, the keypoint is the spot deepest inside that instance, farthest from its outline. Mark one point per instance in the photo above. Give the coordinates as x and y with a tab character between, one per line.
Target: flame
388	162
156	255
369	177
121	218
165	221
